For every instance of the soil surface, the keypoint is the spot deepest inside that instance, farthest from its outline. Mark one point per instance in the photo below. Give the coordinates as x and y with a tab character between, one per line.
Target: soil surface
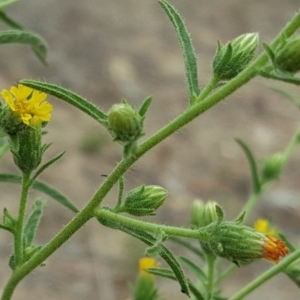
109	50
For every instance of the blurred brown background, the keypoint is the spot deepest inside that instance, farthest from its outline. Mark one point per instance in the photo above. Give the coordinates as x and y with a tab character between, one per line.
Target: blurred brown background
109	50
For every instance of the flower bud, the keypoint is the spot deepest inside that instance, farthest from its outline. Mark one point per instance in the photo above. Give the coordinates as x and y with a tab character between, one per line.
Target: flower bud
26	147
125	123
272	166
287	58
203	213
232	58
144	200
242	244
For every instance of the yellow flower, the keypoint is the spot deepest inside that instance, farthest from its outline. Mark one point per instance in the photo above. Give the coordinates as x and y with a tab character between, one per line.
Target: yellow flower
145	263
29	105
263	225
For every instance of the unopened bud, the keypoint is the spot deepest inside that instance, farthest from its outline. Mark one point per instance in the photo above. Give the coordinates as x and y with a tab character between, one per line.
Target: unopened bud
287	58
203	213
125	122
144	200
272	166
233	57
242	244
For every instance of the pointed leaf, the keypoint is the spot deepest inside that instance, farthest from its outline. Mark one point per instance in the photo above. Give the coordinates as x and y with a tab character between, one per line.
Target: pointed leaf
33	222
70	97
25	37
42	187
280	76
46	165
144	107
197	294
166	273
269	51
254	174
187	49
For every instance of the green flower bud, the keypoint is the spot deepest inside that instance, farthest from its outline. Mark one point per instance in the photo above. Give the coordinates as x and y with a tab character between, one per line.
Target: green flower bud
287	58
232	58
144	200
203	213
272	166
125	122
27	149
242	244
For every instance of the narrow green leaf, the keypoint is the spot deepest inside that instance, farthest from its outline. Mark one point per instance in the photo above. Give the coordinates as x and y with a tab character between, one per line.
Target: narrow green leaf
187	49
37	44
70	97
289	96
254	174
4	3
194	268
144	107
42	187
47	165
150	240
10	22
33	222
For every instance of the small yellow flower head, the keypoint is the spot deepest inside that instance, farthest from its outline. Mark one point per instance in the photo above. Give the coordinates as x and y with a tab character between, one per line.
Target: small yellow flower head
145	263
30	106
263	225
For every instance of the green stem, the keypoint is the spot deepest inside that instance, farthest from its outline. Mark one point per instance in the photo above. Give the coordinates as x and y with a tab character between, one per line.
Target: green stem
211	259
106	215
208	88
226	273
191	113
19	240
266	276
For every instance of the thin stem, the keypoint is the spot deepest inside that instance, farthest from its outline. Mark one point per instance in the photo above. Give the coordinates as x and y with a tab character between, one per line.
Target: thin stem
211	259
208	88
19	240
266	276
106	215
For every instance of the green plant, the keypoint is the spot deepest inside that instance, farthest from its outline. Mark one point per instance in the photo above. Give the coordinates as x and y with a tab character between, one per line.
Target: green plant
25	112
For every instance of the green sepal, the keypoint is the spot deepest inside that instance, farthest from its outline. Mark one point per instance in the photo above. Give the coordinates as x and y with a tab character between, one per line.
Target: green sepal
33	222
145	106
189	56
150	240
240	218
220	213
269	51
256	185
70	97
37	43
42	187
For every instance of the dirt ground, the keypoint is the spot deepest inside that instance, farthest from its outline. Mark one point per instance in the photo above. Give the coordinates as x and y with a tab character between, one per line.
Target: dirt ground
109	50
